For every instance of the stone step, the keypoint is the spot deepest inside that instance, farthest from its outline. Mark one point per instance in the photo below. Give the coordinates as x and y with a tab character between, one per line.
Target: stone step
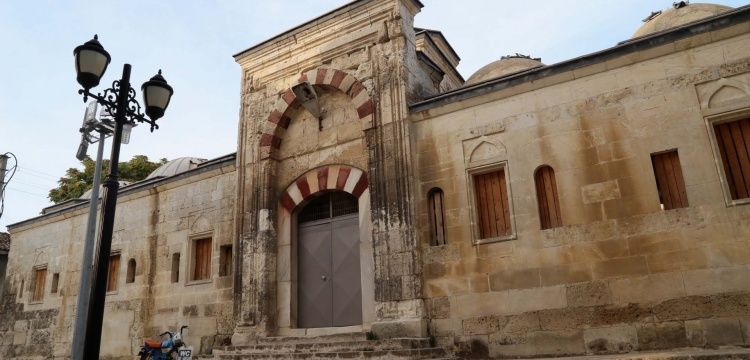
345	337
676	354
325	346
424	353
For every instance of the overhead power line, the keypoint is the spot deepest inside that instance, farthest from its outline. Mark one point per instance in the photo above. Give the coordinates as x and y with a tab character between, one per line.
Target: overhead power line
27	192
37	173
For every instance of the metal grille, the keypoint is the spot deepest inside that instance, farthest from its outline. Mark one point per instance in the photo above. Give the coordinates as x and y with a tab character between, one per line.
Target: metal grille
343	204
317	209
329	205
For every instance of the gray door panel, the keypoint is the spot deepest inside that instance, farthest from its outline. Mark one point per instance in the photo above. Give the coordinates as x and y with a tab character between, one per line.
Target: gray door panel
329	290
314	295
347	289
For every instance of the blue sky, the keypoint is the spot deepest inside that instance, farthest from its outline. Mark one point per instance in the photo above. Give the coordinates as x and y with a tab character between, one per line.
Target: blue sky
193	42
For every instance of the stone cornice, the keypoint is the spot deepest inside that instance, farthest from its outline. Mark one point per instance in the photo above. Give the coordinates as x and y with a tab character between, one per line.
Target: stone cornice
442	43
344	30
732	23
211	168
426	44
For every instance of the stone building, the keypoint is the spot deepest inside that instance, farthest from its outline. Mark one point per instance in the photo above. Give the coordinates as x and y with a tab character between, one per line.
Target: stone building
4	247
597	205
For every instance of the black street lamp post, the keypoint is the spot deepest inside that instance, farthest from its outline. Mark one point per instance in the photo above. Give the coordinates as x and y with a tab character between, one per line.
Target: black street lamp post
91	63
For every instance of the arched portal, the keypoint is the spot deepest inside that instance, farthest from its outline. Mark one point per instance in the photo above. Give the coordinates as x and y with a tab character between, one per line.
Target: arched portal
329	288
339	196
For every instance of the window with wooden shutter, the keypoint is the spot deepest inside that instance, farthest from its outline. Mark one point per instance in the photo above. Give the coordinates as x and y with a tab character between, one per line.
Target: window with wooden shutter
547	198
669	181
492	207
113	272
202	259
437	217
733	140
40	277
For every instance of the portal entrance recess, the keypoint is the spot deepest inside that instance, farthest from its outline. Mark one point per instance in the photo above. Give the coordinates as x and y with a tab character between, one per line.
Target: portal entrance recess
329	284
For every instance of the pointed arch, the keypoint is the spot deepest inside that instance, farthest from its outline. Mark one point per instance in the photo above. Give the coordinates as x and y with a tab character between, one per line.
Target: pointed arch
725	89
486	150
332	177
277	122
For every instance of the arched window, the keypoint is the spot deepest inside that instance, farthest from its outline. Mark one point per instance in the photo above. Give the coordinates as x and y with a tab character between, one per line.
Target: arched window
547	197
55	282
175	267
437	217
130	278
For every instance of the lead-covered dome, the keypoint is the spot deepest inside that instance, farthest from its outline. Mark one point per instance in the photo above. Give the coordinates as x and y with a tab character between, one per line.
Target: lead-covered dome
681	13
87	193
505	66
176	166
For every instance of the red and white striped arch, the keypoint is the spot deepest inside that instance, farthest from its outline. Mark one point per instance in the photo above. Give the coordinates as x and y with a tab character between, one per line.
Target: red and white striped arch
277	122
332	177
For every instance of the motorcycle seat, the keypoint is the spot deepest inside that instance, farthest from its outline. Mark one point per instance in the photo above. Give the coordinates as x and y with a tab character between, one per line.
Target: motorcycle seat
153	344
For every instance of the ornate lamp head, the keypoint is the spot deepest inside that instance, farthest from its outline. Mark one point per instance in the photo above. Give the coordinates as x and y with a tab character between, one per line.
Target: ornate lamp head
91	63
156	96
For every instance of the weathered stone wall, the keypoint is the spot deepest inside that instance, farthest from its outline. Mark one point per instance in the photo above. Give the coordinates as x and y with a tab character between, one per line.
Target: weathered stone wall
151	224
622	274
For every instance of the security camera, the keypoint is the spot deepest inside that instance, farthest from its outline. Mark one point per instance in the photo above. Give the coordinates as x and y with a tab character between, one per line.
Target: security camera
82	148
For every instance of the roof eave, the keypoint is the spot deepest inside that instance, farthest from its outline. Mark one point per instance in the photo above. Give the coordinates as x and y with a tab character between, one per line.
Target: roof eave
650	41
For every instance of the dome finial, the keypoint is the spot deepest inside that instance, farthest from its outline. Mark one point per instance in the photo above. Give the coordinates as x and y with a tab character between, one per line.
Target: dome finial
681	13
506	66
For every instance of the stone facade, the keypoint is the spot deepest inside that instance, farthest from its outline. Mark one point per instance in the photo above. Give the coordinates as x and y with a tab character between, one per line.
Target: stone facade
397	122
622	274
154	220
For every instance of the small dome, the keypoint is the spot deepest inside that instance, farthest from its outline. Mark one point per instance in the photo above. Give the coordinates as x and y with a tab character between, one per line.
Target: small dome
175	167
87	194
505	66
681	13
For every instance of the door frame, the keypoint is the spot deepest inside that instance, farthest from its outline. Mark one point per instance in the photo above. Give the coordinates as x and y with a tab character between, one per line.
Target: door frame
286	270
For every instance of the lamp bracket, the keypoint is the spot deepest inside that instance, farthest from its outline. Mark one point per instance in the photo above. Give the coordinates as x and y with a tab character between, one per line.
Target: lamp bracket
108	99
308	97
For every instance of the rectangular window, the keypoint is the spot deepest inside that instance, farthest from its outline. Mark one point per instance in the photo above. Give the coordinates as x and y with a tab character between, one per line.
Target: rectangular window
492	207
733	140
40	277
55	281
669	181
225	260
113	273
202	259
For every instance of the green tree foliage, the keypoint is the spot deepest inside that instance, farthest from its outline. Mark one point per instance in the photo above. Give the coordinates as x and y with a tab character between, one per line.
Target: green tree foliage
78	181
